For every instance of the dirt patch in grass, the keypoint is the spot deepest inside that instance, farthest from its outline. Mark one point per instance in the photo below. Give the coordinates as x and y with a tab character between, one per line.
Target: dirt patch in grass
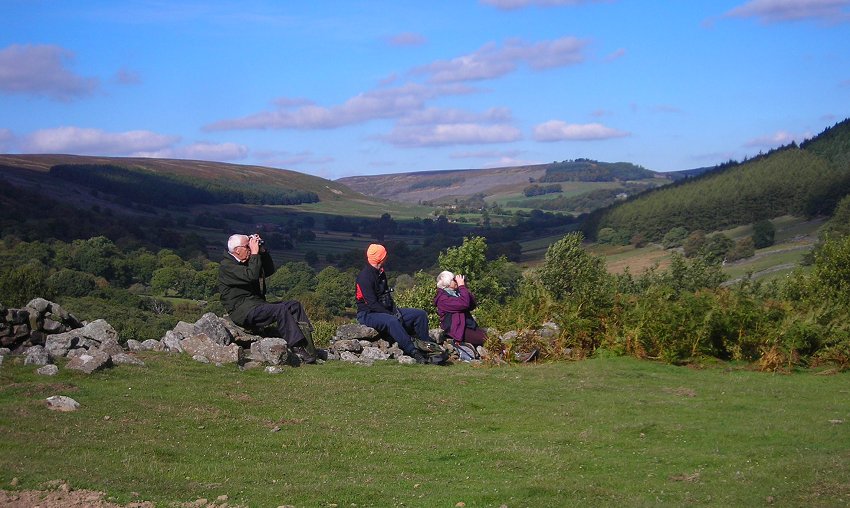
58	494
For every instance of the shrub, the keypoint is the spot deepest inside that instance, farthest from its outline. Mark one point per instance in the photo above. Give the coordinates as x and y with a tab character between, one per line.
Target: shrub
571	272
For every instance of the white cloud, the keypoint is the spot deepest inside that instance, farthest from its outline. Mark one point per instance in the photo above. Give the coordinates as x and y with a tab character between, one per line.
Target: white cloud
492	61
519	4
772	11
83	141
557	130
373	105
139	143
453	134
41	70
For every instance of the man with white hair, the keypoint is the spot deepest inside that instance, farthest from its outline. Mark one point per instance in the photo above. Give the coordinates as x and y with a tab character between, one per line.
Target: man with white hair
241	278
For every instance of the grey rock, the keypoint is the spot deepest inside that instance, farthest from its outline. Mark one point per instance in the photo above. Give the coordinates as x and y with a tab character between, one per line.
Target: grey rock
383	344
251	365
125	359
40	305
184	329
355	331
509	336
171	341
275	369
4	351
134	345
152	345
90	362
373	353
36	355
200	358
59	344
50	326
201	344
365	343
348	356
406	360
352	345
394	351
48	370
62	403
212	326
549	330
74	353
111	347
99	331
271	350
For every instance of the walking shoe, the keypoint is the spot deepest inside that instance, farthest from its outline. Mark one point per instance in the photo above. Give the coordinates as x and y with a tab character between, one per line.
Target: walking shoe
303	355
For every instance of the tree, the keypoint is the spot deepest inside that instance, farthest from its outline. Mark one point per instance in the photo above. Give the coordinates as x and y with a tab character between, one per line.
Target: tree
292	280
763	234
694	243
674	237
716	247
335	290
571	272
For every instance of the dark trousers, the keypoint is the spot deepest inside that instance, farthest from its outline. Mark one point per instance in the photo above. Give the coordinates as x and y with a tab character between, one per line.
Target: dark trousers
286	315
413	321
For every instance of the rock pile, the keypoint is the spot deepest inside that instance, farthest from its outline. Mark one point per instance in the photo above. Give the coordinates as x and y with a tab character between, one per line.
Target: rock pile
43	332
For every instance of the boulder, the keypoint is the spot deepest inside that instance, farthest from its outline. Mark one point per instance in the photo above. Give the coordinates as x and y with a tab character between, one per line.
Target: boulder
134	345
374	353
171	341
62	403
341	345
40	305
355	331
201	344
212	326
111	347
90	362
48	370
271	350
152	345
36	355
59	344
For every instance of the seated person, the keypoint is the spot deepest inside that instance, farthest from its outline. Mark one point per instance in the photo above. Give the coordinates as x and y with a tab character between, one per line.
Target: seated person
454	303
241	282
376	308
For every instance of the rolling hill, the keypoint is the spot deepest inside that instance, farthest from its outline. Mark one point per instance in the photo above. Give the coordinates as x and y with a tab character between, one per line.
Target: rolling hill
505	185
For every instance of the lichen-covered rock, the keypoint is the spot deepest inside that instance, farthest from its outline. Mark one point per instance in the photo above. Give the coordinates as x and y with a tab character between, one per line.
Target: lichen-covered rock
48	370
211	325
341	345
152	345
201	344
355	331
271	350
62	403
36	355
90	362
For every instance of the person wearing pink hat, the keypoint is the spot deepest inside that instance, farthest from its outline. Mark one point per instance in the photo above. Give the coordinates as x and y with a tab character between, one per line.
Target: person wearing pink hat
376	308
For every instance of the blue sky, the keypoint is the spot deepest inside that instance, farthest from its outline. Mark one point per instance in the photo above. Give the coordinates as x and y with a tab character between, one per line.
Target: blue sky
341	88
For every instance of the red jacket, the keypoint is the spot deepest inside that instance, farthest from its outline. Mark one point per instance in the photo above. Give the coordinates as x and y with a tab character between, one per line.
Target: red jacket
458	307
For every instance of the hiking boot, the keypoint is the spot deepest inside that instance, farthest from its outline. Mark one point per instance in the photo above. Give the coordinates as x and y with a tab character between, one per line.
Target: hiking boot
419	357
303	355
309	346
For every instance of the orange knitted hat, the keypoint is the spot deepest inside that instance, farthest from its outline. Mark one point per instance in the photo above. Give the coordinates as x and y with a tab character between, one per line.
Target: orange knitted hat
376	253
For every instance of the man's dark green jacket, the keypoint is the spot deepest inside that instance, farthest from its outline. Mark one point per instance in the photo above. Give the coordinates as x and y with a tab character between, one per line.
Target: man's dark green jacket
239	284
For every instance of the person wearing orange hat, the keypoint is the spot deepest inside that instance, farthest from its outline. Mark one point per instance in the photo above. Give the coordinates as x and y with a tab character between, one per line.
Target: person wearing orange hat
376	308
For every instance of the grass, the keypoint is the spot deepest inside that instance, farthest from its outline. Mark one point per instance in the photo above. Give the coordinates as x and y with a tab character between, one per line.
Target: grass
602	432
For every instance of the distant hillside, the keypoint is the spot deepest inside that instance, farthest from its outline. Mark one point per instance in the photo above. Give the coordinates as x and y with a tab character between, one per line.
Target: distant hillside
187	171
804	181
508	182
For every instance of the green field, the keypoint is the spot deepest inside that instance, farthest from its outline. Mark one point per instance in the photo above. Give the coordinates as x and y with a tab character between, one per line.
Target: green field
600	432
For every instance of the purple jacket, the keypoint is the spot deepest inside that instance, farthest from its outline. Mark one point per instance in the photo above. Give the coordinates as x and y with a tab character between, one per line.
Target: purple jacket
458	307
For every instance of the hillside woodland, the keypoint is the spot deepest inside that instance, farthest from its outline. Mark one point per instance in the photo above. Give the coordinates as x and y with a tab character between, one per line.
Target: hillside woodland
99	265
806	180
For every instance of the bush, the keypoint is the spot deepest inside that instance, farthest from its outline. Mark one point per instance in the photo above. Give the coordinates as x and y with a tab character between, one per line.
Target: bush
67	282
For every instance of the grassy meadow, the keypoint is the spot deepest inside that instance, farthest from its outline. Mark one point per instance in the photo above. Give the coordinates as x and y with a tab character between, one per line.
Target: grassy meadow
601	432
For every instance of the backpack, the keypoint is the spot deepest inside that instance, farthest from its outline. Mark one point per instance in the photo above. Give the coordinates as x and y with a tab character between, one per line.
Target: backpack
433	352
466	352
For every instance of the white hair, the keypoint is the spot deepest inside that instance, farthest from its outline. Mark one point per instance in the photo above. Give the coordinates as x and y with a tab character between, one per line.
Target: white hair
235	241
444	279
